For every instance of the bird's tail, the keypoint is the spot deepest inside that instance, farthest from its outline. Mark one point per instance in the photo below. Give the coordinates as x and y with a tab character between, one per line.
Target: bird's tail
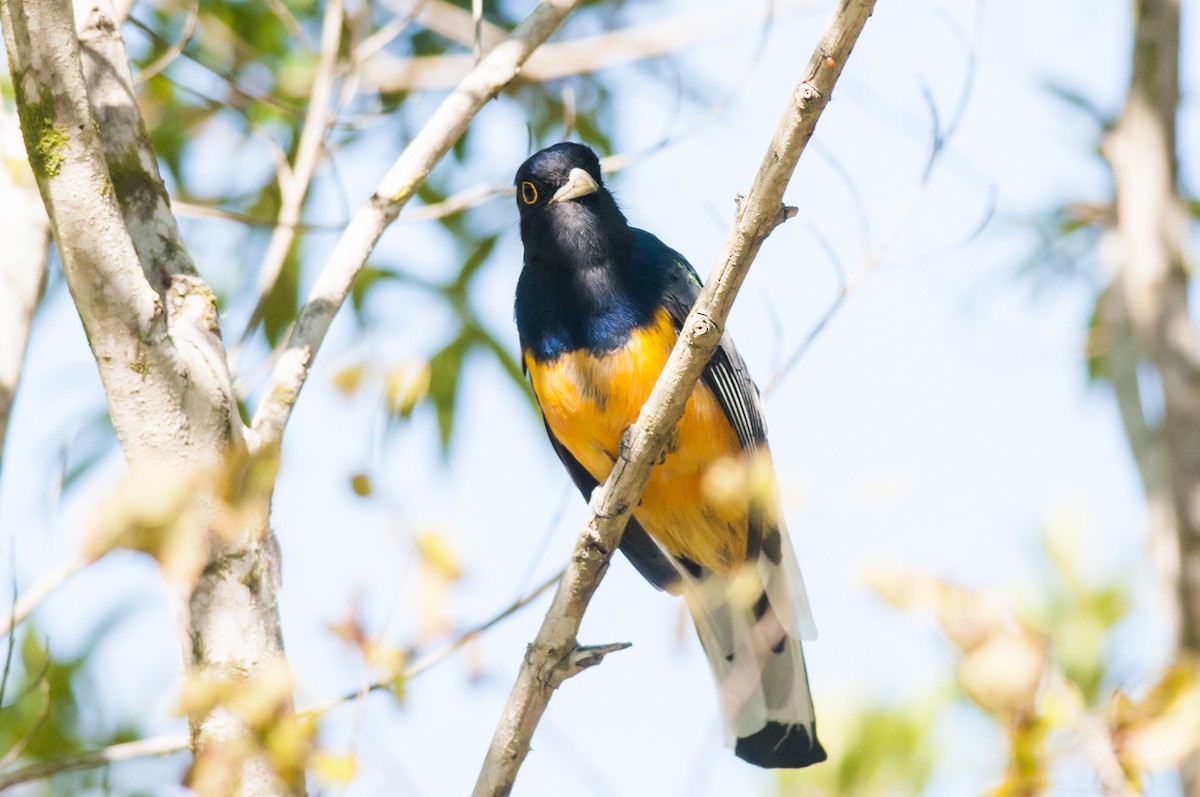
750	624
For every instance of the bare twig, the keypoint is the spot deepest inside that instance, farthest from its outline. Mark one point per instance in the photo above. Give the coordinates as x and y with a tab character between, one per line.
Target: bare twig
939	140
437	656
294	187
10	645
436	137
175	50
758	214
164	745
49	581
575	57
40	684
156	746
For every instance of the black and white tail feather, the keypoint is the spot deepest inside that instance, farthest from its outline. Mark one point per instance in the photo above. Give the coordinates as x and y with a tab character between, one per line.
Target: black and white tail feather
750	624
751	621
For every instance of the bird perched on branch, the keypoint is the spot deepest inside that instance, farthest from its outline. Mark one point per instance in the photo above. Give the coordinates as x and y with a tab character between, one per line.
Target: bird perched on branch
599	305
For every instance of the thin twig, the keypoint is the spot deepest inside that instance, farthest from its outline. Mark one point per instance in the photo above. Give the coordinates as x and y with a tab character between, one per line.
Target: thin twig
225	75
175	50
165	745
156	746
575	57
435	138
295	187
43	686
435	657
759	212
939	140
42	589
11	643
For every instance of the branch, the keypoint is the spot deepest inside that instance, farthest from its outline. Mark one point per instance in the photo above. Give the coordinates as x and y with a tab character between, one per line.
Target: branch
437	656
131	163
25	231
163	745
42	589
294	182
1151	296
939	141
758	214
152	326
563	59
436	137
156	746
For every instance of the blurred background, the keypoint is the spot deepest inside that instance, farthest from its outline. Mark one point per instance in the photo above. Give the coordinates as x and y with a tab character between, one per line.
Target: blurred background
956	471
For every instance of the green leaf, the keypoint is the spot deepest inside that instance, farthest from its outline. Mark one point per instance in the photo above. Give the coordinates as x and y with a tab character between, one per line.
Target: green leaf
282	303
445	373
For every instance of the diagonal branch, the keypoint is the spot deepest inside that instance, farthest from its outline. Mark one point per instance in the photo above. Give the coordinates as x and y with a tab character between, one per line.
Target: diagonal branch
758	214
164	745
436	137
154	746
566	58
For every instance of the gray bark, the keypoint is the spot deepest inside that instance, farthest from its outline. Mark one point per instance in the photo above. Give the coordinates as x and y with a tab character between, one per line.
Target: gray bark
1150	322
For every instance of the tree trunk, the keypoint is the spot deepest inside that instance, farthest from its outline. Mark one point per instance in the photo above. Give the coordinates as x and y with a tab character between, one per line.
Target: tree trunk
1149	298
152	327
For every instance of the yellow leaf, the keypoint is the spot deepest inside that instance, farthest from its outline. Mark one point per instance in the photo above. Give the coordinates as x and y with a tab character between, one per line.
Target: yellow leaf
360	483
153	510
348	380
436	553
1002	674
433	600
337	768
1062	703
405	385
1164	728
388	658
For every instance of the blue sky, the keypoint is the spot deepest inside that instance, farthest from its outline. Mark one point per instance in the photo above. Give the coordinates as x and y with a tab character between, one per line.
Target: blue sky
936	423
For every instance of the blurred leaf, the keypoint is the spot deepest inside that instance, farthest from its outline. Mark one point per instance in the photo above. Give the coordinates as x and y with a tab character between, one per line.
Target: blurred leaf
263	703
360	483
368	278
1073	98
283	302
338	769
404	386
445	373
876	751
349	379
95	440
457	290
1161	730
436	553
510	365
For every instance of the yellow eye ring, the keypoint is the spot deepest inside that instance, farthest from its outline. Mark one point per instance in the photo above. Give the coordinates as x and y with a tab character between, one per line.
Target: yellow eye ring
529	193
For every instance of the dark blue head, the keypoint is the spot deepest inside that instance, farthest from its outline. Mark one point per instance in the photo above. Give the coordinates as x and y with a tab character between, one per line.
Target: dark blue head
589	277
567	215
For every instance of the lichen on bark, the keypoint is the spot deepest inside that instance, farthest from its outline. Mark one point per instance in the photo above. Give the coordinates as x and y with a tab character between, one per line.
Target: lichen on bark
44	139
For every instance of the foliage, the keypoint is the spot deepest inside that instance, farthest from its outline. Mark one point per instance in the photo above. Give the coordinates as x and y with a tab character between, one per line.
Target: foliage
1040	675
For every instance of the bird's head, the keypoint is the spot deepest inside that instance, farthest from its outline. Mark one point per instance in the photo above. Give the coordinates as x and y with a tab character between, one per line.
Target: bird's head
561	173
563	202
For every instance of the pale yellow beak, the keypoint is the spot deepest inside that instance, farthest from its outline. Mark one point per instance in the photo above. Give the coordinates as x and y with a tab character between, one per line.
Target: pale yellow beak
579	183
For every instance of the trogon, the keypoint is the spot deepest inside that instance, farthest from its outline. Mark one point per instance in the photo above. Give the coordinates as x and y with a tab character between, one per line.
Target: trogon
599	305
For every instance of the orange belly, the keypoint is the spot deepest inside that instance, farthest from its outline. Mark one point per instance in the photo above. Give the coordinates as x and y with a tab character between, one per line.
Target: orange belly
588	402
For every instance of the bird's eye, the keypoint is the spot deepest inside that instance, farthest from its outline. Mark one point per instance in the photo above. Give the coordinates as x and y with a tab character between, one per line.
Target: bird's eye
529	193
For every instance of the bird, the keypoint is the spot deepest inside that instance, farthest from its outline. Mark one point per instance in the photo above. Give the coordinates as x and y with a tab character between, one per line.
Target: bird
598	308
